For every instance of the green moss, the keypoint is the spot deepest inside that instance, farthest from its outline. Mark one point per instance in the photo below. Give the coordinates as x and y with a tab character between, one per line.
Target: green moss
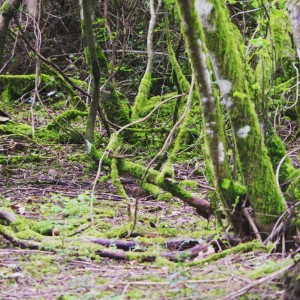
14	159
118	231
16	129
142	95
184	85
164	197
276	152
140	257
156	191
28	234
45	135
167	172
189	183
67	116
117	183
240	190
267	268
113	143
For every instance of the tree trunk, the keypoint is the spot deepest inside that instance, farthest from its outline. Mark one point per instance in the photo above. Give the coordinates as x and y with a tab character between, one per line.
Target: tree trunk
224	43
213	120
92	60
145	85
109	101
7	11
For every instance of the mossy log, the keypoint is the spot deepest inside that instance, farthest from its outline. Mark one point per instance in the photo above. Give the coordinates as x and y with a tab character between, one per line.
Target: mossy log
175	256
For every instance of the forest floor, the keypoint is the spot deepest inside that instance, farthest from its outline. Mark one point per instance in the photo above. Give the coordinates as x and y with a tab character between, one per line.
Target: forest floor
52	194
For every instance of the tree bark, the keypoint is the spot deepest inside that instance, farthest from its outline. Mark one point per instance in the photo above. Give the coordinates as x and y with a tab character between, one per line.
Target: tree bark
213	120
224	43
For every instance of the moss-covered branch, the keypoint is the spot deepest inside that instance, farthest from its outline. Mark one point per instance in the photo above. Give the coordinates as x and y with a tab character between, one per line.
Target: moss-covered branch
145	84
138	171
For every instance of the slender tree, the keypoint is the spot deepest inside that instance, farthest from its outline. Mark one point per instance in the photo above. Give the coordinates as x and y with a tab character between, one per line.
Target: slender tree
92	59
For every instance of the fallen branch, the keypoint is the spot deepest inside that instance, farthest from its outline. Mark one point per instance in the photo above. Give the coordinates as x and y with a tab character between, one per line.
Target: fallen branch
175	256
178	256
174	245
119	244
137	171
180	245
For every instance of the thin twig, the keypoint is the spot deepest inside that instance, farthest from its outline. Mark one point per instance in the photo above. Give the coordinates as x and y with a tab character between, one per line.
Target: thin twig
279	225
252	223
297	89
94	187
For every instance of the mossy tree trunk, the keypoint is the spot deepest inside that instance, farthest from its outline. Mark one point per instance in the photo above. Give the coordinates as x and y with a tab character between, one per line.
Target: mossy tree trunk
213	120
226	50
145	85
92	60
106	102
263	193
7	11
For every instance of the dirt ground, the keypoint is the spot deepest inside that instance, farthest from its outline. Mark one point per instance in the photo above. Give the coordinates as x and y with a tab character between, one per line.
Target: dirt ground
48	191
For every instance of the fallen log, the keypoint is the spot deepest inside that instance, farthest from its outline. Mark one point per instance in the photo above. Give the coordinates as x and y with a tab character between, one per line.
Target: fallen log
179	244
23	244
173	245
175	256
179	256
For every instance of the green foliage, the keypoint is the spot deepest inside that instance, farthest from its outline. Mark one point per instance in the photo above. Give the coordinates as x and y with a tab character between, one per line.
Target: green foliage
16	129
64	118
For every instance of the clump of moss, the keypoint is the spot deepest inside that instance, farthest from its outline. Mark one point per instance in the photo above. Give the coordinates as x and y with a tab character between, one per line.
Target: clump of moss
62	119
16	129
